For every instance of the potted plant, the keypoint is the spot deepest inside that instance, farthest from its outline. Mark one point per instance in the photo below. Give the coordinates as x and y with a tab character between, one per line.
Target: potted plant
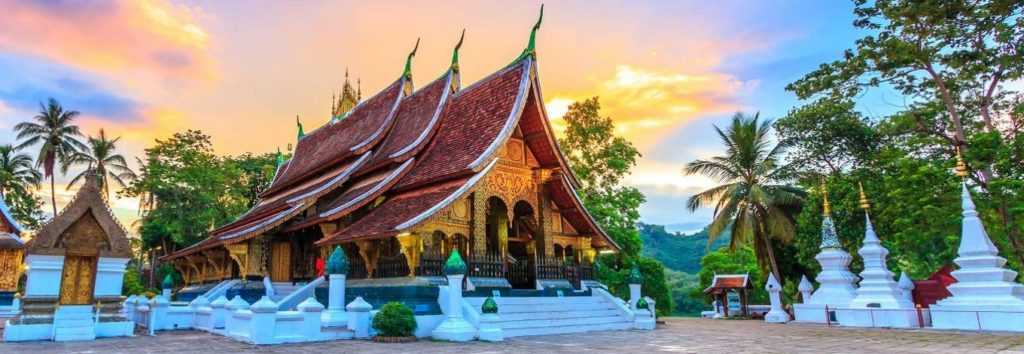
395	323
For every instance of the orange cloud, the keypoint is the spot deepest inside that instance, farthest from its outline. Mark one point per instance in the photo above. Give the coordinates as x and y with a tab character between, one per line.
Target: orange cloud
646	103
143	37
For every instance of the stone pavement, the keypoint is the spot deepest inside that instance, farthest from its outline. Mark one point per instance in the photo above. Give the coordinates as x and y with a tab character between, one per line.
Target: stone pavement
677	335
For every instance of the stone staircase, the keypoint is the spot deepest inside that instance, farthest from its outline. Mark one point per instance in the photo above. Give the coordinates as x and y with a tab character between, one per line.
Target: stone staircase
529	316
283	289
74	322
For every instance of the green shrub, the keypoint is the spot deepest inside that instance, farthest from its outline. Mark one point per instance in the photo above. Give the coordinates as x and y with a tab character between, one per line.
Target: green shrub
395	320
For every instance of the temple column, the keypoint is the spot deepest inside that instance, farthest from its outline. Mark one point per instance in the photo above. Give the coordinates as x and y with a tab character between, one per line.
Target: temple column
478	225
370	254
412	247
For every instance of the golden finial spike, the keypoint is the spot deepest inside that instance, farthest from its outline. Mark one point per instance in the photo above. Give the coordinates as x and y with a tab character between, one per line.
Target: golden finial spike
961	167
864	203
826	206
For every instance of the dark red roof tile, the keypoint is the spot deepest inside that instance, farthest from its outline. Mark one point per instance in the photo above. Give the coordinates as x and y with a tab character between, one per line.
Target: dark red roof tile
415	123
334	142
472	121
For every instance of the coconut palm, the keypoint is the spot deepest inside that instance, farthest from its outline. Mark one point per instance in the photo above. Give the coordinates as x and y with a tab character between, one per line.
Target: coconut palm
752	201
101	159
16	171
53	129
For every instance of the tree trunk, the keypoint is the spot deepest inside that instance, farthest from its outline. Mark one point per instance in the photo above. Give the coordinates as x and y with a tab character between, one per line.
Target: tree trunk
771	259
53	195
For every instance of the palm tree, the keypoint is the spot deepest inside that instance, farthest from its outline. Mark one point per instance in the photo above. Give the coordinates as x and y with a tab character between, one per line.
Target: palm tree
751	201
102	160
53	129
16	171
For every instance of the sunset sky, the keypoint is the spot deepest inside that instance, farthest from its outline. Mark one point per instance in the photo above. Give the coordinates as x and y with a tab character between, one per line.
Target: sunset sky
241	71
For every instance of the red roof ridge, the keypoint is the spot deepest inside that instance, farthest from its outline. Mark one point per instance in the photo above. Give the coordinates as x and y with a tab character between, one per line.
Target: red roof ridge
378	187
469	184
433	120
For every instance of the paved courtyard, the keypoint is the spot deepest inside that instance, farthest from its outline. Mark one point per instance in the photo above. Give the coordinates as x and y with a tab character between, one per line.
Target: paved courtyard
677	335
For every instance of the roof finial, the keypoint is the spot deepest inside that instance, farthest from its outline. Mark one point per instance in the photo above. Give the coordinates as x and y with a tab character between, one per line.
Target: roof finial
961	167
334	102
279	157
302	132
408	61
826	206
359	89
455	53
531	46
864	203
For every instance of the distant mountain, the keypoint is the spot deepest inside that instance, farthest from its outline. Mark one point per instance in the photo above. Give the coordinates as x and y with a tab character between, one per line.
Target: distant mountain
677	251
686	227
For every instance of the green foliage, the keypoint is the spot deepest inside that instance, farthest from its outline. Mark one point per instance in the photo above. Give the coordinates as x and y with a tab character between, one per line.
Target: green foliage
753	203
950	61
726	261
616	275
18	178
682	285
132	283
394	320
185	190
600	160
678	251
53	129
100	159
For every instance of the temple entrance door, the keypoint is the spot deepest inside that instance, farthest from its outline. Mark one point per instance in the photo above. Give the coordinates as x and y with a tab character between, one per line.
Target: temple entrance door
521	266
281	262
76	285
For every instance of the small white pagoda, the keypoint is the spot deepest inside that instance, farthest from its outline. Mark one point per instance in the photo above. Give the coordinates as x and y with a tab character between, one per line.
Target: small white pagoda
837	283
985	296
879	301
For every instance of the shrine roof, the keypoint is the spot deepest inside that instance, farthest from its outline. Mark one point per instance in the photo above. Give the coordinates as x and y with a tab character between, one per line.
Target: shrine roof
322	148
415	123
475	123
10	230
88	203
725	282
406	210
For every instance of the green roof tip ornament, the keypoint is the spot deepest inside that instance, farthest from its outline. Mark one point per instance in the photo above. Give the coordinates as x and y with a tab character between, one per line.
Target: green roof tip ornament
634	275
455	265
337	263
407	73
829	238
642	304
279	157
455	53
302	133
531	46
168	282
489	306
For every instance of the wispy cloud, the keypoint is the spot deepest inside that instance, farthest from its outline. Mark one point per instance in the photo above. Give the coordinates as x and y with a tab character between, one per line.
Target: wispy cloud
117	37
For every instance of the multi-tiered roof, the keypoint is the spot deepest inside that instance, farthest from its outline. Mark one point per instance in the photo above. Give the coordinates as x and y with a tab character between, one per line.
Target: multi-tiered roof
419	149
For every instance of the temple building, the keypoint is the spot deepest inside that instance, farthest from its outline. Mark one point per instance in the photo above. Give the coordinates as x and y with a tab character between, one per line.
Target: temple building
400	180
11	251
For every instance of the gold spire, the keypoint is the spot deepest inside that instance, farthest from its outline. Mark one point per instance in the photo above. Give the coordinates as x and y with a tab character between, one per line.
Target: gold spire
348	100
826	206
961	167
864	203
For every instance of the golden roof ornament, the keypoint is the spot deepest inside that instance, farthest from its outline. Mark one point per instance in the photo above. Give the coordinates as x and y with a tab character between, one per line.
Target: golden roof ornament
826	206
864	203
961	167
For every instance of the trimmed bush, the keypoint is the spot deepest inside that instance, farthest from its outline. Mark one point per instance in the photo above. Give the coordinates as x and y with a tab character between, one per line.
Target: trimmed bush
395	320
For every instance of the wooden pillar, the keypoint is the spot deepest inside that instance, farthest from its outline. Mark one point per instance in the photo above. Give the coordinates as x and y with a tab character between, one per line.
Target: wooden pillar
412	247
370	254
478	224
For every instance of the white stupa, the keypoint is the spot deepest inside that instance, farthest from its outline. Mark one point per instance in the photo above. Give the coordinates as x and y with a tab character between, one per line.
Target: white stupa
836	282
985	296
877	288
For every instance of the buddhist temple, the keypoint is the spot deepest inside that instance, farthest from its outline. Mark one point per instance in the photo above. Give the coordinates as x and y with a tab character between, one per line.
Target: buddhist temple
76	264
402	179
11	248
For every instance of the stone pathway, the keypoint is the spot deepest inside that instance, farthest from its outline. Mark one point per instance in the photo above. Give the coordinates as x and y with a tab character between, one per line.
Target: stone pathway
677	335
